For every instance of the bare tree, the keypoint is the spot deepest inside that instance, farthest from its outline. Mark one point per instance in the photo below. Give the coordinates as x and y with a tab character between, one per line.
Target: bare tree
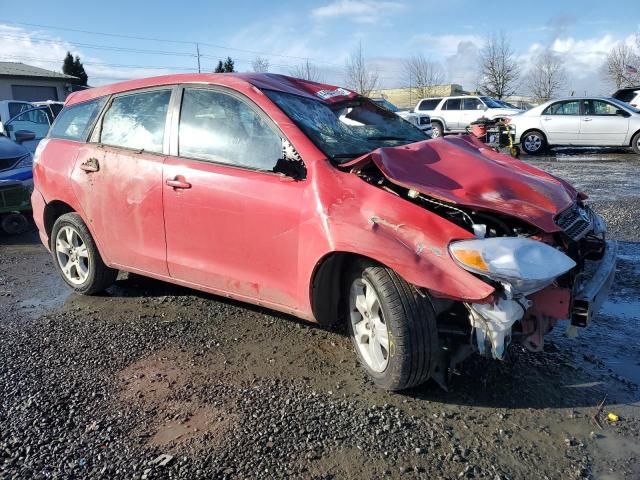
306	71
260	64
498	67
358	76
546	76
620	65
422	75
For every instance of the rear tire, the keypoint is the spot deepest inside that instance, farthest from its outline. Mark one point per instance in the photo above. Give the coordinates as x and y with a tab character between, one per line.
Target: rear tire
635	143
437	130
77	258
533	142
399	319
14	223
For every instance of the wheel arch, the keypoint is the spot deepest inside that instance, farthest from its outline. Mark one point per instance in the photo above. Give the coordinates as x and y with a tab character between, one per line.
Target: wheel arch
534	129
52	211
633	135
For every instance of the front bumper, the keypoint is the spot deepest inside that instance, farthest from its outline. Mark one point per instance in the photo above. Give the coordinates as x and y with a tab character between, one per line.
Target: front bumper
590	293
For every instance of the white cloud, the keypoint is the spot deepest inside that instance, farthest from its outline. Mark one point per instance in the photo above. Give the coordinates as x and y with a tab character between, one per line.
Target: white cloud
45	51
361	11
445	45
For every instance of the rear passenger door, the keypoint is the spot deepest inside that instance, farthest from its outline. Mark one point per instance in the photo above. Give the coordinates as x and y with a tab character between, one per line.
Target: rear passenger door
561	123
452	113
118	180
231	223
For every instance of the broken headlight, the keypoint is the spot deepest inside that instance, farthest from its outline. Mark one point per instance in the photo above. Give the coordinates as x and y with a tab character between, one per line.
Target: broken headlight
524	265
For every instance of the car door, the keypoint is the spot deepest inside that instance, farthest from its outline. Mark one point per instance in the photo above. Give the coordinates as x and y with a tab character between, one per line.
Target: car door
601	124
472	109
452	113
560	122
231	222
117	178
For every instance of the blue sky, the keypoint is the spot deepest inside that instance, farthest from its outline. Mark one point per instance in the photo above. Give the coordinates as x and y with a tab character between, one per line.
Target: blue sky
449	32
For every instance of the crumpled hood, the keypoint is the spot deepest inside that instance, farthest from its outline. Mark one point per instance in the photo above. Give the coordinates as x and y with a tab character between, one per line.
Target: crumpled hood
463	170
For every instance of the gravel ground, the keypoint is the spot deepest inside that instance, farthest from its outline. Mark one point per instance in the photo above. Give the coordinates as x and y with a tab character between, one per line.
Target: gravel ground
156	381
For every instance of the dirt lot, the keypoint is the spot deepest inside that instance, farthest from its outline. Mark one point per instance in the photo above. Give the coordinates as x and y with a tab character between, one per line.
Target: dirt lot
103	387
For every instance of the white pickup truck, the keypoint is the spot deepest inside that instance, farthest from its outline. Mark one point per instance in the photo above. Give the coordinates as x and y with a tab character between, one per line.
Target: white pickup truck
454	114
420	120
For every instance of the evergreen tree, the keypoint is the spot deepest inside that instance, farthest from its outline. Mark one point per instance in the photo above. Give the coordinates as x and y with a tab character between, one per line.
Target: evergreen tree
228	65
67	65
79	71
219	68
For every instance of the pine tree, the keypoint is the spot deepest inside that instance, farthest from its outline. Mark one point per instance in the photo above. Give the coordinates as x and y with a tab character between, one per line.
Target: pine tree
228	65
79	72
68	65
219	68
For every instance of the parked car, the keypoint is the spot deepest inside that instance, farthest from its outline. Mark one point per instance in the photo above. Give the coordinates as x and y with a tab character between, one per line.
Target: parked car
630	95
254	187
28	127
12	108
597	121
455	114
420	120
15	161
53	108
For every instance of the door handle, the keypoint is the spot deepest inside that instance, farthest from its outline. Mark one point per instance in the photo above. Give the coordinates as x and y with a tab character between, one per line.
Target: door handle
587	119
546	119
91	165
178	182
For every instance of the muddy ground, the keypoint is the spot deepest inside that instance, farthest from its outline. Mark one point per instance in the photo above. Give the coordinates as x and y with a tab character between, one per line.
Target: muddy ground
150	380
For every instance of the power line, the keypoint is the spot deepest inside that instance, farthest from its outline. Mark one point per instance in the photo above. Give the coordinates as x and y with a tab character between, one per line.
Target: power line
189	42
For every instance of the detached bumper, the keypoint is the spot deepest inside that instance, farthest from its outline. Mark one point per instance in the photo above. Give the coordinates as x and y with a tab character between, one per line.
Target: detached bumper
590	293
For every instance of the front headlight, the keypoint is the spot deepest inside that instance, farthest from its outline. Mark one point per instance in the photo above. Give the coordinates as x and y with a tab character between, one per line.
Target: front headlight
526	265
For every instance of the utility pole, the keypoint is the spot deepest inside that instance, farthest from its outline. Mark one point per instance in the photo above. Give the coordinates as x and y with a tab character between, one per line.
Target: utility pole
198	55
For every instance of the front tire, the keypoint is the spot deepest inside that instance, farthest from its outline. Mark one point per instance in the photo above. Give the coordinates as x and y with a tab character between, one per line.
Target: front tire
533	142
635	143
392	327
437	130
77	258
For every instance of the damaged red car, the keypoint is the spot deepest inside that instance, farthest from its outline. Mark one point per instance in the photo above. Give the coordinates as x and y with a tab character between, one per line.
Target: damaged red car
312	200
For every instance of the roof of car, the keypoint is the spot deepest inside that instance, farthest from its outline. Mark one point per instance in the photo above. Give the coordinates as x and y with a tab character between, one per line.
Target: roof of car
238	81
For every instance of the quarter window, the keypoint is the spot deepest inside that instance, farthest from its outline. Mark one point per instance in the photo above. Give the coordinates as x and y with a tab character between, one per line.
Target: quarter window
571	107
453	104
220	128
137	121
74	122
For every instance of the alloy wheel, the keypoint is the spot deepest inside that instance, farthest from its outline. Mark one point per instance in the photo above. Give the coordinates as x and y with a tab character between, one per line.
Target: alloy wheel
72	255
369	328
532	142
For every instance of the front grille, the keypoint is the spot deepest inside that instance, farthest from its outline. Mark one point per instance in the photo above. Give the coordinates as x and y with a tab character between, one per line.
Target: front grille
576	221
425	120
7	163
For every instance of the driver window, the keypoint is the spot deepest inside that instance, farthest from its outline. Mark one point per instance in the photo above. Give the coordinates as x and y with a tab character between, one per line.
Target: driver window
471	104
220	128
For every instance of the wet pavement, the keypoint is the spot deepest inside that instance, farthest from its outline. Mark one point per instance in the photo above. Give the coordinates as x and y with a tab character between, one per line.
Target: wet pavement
100	387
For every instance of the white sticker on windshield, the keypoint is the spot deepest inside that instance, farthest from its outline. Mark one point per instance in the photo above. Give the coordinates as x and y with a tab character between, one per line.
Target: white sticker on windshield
338	92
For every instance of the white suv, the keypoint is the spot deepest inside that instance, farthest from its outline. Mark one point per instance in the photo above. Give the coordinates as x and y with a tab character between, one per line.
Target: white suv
454	114
630	95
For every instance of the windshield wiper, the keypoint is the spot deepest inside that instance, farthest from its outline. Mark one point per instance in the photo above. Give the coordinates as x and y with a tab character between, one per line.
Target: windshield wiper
347	155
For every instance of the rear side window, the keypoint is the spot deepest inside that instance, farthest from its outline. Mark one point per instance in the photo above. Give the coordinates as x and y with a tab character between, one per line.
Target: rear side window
74	122
137	121
453	104
571	107
429	104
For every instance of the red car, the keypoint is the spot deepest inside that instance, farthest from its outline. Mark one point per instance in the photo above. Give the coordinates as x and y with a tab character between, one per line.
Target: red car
312	200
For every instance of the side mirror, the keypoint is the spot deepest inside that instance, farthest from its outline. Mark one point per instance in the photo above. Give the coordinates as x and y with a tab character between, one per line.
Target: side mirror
480	107
622	113
24	136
